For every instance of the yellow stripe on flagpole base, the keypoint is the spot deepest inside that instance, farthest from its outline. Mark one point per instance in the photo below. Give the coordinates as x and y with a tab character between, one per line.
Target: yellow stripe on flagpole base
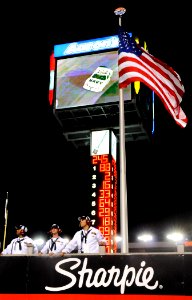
137	86
137	83
145	46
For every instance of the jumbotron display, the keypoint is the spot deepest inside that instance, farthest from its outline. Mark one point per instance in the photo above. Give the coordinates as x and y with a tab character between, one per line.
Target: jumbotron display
85	73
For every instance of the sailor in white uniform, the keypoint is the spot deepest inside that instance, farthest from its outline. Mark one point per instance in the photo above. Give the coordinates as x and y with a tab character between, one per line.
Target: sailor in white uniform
21	244
56	243
86	240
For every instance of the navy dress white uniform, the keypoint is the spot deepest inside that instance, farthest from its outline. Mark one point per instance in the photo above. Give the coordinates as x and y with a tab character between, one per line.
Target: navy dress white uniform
56	243
20	245
86	240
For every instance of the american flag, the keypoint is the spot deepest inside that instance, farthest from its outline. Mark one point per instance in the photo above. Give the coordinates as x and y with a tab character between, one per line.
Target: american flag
136	64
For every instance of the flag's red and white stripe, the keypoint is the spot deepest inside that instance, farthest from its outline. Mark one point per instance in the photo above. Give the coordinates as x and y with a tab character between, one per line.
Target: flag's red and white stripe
158	76
52	74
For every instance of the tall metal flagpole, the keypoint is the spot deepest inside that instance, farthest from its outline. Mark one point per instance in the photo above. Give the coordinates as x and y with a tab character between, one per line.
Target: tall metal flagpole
123	181
6	216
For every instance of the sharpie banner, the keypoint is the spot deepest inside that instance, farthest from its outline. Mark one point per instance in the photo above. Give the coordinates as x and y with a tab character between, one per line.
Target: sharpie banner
133	277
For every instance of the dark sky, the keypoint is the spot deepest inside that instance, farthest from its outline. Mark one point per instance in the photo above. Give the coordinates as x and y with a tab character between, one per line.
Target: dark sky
49	177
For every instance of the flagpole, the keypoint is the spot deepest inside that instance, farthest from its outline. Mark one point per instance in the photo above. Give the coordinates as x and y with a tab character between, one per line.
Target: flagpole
6	217
123	181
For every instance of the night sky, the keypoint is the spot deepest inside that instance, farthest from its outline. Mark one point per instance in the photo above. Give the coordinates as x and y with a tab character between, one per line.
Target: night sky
49	177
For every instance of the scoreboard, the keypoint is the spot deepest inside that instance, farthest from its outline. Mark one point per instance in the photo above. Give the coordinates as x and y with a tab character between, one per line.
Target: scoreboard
104	185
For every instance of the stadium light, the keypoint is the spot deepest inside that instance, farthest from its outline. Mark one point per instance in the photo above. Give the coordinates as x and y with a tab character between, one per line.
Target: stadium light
146	237
175	236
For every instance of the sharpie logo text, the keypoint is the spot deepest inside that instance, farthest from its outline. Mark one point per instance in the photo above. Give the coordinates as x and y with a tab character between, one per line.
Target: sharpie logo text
129	276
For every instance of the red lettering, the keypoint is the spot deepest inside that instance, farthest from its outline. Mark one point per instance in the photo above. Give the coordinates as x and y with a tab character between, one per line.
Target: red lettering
106	184
107	176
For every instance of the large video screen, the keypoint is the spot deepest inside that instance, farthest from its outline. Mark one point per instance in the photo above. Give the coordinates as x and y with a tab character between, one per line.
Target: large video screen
89	79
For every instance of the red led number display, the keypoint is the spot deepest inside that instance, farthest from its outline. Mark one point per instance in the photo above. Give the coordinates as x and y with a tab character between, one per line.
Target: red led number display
104	191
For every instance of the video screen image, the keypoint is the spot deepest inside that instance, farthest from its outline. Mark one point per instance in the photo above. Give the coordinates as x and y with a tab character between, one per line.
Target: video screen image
87	80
